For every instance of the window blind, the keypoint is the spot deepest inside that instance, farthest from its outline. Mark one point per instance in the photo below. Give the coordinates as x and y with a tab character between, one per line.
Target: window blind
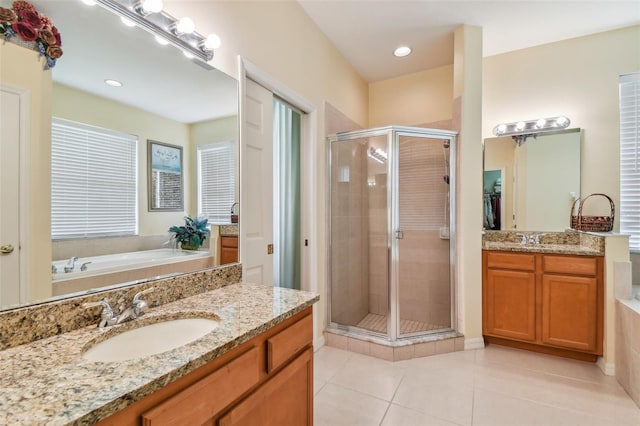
94	184
216	181
630	158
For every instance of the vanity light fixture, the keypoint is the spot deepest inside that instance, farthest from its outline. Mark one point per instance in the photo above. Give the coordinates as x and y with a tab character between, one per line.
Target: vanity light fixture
180	33
377	154
402	51
532	127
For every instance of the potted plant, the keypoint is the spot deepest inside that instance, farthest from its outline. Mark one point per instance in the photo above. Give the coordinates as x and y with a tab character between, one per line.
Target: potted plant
192	235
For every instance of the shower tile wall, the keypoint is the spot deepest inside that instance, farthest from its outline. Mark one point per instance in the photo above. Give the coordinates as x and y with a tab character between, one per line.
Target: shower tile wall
349	228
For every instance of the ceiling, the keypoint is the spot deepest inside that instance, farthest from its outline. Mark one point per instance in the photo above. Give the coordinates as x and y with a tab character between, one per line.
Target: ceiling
157	79
367	31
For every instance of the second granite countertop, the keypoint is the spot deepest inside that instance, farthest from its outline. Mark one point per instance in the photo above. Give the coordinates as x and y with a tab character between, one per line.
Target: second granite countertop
48	381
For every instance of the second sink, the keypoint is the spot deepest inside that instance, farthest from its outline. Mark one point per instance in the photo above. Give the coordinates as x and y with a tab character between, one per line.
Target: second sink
150	340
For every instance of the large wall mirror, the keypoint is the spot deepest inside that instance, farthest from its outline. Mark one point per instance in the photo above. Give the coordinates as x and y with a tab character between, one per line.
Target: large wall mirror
531	184
165	97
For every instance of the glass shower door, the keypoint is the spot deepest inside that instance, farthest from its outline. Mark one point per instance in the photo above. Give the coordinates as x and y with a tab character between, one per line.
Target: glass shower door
422	252
358	236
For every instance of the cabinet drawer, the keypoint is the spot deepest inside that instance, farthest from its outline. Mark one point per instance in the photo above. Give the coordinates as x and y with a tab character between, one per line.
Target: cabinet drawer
288	342
229	241
575	265
506	260
201	401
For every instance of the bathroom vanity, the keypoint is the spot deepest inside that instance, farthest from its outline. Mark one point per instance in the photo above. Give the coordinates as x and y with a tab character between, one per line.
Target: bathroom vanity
547	297
259	358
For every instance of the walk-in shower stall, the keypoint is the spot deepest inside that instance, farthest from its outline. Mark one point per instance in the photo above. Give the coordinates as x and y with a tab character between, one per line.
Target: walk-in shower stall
391	232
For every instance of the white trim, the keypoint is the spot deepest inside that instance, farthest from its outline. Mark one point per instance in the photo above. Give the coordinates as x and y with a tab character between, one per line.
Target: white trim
608	368
309	184
24	183
318	342
474	343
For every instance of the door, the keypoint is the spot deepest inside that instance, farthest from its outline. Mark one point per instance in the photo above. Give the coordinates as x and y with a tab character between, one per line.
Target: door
422	246
256	203
9	198
569	311
509	303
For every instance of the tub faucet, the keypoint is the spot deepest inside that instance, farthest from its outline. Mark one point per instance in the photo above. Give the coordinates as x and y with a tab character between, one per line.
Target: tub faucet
70	264
84	266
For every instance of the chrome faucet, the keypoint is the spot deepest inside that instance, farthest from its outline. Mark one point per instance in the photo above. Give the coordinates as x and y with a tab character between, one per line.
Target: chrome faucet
71	264
107	318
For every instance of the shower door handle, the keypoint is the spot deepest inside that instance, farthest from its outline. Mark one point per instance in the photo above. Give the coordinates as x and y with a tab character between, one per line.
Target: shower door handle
399	235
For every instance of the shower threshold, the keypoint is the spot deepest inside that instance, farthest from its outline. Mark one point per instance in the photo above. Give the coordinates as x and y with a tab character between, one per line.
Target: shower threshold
378	324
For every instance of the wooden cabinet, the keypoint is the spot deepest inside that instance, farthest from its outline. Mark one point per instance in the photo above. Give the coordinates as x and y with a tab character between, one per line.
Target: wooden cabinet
228	249
544	302
267	381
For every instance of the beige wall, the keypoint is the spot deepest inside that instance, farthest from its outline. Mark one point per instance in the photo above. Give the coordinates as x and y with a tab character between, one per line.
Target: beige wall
32	77
281	39
577	78
412	99
86	108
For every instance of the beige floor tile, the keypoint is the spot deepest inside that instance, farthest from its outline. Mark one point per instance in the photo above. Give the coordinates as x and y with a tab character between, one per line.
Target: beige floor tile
337	406
327	361
318	385
372	376
434	395
401	416
494	409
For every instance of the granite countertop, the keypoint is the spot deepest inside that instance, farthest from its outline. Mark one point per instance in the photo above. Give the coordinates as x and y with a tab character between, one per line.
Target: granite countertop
48	382
542	248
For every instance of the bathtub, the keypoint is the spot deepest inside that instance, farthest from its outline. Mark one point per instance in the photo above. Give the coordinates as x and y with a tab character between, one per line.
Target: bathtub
122	267
628	346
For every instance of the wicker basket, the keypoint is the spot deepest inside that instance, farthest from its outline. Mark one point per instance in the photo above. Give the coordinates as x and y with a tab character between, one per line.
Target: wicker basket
592	223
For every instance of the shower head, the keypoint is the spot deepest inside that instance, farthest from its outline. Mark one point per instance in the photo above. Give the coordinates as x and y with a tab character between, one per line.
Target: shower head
445	144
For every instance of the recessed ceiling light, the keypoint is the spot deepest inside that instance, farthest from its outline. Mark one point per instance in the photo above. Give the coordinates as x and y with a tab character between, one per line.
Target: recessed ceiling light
162	40
113	83
89	2
402	51
187	54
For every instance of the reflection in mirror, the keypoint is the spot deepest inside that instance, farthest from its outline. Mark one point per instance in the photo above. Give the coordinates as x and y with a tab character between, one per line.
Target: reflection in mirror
531	186
164	97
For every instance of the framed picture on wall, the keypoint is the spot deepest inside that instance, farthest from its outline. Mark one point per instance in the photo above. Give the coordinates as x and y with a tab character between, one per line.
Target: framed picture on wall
164	171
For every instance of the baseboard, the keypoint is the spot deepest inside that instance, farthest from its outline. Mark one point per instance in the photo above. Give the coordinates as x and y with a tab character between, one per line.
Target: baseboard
608	368
475	343
318	342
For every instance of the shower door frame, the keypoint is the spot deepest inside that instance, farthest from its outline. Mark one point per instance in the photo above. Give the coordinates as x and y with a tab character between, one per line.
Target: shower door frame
393	134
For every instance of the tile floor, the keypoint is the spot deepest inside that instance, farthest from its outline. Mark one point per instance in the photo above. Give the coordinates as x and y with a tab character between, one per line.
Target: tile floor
491	386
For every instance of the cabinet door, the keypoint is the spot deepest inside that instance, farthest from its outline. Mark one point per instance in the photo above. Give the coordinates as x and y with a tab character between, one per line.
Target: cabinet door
569	311
285	400
509	304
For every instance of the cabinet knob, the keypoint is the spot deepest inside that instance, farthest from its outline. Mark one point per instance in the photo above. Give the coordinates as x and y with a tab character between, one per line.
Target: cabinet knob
6	249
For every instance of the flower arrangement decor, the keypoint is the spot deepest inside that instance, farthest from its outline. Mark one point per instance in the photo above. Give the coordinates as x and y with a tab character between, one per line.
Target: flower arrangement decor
32	29
192	235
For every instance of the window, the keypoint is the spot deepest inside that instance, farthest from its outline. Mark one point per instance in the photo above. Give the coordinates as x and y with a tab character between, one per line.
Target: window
216	181
94	184
630	159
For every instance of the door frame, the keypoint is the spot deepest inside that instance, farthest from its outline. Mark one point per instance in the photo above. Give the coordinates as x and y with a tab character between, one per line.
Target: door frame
308	167
23	182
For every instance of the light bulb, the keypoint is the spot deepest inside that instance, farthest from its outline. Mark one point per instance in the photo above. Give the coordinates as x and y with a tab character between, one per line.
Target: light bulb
540	123
402	51
520	125
152	6
212	42
185	26
127	22
161	40
562	121
501	129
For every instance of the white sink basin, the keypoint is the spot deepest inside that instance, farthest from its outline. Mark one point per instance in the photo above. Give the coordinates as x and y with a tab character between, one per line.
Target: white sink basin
150	340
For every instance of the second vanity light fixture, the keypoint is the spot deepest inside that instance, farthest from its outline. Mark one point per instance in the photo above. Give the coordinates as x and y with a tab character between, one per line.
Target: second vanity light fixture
180	33
532	126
